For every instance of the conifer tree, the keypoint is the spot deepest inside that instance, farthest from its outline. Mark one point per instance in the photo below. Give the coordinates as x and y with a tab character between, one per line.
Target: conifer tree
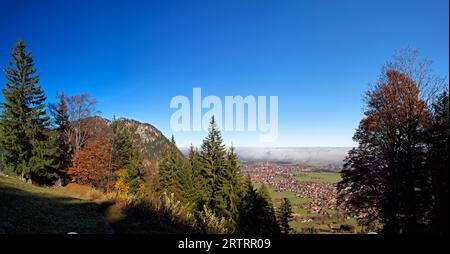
438	164
256	213
199	181
122	146
212	157
284	213
59	112
127	159
172	175
232	187
221	171
28	147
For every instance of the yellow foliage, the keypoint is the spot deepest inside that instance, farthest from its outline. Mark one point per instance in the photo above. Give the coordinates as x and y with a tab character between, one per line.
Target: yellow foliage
141	190
120	185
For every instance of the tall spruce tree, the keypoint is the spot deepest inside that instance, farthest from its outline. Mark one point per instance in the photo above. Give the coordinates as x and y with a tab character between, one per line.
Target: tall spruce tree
220	170
284	214
212	157
198	180
256	212
122	146
174	174
59	112
438	163
232	190
126	156
29	148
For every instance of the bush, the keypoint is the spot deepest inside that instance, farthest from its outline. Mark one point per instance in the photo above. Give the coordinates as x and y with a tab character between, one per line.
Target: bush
309	230
346	228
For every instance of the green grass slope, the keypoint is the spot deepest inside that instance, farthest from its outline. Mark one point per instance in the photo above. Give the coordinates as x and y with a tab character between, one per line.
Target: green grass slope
25	208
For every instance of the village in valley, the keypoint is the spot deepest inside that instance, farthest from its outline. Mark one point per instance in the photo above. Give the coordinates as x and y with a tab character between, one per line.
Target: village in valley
312	192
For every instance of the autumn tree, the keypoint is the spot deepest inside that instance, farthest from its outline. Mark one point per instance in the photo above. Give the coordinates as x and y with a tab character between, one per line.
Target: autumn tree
28	145
92	164
80	108
74	122
386	178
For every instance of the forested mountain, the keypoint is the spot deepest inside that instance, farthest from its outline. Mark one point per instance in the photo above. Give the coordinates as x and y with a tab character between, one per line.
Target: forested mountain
149	139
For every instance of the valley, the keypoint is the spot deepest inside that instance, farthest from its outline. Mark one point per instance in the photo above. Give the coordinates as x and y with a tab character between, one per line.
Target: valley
312	193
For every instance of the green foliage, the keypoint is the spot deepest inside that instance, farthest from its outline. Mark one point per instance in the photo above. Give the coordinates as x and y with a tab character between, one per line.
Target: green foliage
207	222
29	148
221	173
61	121
211	180
437	162
126	155
212	158
175	174
284	213
256	213
123	150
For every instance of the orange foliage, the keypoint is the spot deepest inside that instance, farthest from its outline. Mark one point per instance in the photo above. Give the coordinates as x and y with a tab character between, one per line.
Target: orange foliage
91	165
120	184
395	106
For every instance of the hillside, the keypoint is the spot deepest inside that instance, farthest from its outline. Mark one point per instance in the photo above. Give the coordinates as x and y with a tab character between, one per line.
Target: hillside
29	209
150	140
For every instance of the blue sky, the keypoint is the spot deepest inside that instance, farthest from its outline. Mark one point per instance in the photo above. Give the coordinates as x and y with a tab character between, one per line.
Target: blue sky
318	57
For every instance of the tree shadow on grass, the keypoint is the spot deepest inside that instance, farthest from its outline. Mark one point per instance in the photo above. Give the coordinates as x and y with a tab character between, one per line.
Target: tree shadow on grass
142	218
28	212
23	212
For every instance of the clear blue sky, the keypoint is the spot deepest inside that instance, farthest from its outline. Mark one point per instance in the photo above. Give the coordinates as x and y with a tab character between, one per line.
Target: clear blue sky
317	56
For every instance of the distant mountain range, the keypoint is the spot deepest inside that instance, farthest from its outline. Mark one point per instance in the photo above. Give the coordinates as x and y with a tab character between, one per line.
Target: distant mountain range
310	156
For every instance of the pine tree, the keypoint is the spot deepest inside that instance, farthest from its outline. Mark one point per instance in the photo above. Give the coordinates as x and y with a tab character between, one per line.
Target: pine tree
28	147
284	213
185	183
437	162
174	173
267	214
256	213
232	189
122	146
214	171
201	195
60	115
212	157
127	159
